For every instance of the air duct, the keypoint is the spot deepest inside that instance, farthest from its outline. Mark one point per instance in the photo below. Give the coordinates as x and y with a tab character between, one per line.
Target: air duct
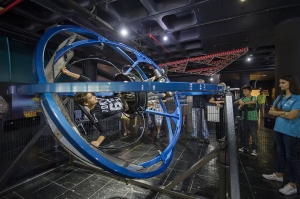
72	4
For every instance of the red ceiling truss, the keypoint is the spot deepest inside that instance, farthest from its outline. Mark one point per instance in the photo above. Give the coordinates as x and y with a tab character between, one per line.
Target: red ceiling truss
212	63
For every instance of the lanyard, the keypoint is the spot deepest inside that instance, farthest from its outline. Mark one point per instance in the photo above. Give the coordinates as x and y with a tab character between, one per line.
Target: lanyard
282	104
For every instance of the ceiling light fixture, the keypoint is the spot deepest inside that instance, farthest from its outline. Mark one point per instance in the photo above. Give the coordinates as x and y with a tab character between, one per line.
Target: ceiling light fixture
211	79
248	59
263	75
124	32
165	38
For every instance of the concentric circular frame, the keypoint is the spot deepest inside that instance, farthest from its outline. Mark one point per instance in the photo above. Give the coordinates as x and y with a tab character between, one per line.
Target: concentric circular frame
58	119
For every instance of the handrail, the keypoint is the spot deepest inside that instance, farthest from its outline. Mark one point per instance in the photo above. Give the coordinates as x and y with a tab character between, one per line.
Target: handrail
232	148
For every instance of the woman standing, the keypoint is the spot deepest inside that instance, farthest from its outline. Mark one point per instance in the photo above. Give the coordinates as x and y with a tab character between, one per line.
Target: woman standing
287	131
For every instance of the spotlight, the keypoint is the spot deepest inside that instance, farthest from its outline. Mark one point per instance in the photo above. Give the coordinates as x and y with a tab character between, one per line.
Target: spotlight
165	38
248	59
211	79
124	32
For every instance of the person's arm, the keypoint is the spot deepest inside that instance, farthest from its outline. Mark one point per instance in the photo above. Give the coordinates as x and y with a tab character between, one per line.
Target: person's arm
293	114
218	103
239	101
65	71
250	102
78	77
275	112
236	102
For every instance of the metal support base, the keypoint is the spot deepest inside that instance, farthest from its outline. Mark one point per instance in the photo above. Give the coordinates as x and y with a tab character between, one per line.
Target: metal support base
164	189
16	162
140	183
30	180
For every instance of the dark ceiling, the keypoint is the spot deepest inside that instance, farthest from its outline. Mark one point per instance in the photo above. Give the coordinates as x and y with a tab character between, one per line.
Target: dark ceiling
193	27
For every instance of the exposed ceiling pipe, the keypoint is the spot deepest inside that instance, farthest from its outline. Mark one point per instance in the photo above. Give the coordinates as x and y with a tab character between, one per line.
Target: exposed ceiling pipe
152	37
10	6
85	12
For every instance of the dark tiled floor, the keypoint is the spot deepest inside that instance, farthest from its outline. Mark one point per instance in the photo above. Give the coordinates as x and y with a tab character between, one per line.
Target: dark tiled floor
73	182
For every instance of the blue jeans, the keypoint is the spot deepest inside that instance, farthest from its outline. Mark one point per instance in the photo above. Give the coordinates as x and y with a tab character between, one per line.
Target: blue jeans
195	119
250	128
287	153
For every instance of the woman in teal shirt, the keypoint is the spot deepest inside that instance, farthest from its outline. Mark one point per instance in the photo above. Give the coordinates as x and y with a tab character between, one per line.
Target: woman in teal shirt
287	131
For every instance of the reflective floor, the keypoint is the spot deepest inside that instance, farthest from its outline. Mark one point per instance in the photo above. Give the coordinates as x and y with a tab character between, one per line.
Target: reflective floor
74	182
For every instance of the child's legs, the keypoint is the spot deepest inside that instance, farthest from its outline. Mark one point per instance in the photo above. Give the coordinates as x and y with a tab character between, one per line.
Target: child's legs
253	126
246	135
124	124
127	122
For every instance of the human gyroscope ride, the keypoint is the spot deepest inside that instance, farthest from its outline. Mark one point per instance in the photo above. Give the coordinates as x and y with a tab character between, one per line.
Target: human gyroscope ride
131	80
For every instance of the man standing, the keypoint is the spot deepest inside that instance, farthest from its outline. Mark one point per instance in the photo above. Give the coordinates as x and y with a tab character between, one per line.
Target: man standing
261	100
199	105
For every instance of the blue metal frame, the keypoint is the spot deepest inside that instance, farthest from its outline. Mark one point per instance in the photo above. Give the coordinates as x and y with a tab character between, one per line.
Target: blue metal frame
66	129
67	87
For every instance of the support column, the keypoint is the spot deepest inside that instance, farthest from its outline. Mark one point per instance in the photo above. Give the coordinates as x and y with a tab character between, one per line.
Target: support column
287	50
89	70
244	80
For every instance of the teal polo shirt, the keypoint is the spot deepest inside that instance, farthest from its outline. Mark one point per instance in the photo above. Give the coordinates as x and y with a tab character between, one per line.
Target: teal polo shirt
285	126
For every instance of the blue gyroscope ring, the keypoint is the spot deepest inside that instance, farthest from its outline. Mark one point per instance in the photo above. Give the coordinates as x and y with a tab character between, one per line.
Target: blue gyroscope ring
58	121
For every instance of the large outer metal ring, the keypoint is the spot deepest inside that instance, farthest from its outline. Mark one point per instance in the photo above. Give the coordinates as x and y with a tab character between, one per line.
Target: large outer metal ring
59	120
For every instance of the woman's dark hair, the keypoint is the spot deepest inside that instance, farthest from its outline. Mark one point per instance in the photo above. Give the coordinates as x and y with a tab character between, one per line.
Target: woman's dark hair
294	86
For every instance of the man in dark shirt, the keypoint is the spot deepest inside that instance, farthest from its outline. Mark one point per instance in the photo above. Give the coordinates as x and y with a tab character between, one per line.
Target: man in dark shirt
100	108
199	105
218	99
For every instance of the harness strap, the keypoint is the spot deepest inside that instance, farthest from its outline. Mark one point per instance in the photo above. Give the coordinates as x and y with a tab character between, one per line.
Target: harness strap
89	116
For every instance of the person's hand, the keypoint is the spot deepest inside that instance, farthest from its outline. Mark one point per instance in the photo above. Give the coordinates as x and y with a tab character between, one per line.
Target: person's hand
64	70
218	105
241	102
240	107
